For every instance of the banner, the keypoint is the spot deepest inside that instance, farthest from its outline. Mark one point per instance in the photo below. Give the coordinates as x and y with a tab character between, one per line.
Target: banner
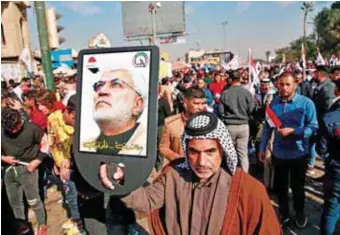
232	65
62	56
320	60
252	71
165	69
10	71
173	40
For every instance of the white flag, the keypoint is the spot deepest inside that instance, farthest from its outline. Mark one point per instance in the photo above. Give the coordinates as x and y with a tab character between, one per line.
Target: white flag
320	60
258	67
252	70
25	59
232	65
303	56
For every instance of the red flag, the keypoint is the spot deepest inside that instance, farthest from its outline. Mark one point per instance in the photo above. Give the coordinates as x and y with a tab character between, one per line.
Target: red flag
272	119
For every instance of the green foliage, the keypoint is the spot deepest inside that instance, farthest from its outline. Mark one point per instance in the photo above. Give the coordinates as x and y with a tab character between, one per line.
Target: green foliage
336	5
327	24
307	6
293	51
327	38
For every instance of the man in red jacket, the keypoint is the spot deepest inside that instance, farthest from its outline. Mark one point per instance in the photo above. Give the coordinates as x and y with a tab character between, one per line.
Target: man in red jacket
216	87
36	116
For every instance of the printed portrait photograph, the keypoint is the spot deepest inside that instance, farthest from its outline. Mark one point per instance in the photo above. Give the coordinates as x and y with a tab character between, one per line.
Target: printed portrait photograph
114	103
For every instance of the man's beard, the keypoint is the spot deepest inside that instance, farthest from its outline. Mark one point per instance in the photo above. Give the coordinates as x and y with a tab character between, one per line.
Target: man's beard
118	115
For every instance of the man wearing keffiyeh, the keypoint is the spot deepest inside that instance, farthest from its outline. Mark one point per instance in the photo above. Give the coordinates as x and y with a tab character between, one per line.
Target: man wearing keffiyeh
203	193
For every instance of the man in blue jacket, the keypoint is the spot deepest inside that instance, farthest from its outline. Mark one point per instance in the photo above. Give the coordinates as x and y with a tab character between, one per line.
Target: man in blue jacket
208	96
290	148
331	141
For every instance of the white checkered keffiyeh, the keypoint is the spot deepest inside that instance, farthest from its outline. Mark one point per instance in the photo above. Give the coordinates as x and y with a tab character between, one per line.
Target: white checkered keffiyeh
220	133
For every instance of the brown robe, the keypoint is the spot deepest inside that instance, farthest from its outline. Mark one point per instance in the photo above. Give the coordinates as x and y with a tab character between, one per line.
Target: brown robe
225	204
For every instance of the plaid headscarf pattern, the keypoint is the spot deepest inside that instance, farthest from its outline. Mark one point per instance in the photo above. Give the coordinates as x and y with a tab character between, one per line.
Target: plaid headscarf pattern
206	125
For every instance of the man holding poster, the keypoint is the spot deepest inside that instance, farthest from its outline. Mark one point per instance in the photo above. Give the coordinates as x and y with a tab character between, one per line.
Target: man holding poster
116	121
204	192
293	118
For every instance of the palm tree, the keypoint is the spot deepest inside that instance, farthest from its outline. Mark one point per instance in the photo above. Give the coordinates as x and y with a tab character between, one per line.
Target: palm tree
267	55
306	7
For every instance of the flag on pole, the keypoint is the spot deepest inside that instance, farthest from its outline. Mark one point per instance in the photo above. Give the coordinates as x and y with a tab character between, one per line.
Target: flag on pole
252	70
304	64
272	119
25	59
320	60
258	67
303	56
232	65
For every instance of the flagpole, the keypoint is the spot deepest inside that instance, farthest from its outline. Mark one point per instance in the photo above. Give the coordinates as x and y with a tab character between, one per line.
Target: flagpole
249	64
304	64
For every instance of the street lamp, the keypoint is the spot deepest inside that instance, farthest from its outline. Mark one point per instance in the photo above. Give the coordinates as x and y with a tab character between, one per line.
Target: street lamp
153	9
224	25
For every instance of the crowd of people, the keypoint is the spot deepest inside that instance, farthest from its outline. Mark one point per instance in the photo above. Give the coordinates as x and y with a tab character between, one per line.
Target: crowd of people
214	126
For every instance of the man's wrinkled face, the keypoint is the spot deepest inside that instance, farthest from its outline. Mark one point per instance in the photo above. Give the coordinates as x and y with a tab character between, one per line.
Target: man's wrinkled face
204	157
194	105
105	92
115	97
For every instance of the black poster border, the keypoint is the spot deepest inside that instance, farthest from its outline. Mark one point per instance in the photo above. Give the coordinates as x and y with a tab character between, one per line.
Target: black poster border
137	168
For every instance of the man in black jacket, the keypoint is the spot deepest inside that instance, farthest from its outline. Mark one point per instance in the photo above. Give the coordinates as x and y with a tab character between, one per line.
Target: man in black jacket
331	140
20	149
324	92
322	96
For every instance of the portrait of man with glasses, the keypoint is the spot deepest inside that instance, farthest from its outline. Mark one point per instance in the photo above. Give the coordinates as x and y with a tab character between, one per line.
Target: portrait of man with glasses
118	103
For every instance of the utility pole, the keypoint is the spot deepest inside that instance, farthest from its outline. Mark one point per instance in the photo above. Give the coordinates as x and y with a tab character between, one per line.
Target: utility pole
224	25
153	10
44	46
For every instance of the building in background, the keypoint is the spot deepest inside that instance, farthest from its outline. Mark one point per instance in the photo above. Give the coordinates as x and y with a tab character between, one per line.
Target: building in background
194	56
14	38
99	40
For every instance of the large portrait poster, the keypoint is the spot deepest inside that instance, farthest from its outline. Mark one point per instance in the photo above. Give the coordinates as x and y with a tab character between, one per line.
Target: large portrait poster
116	116
114	103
